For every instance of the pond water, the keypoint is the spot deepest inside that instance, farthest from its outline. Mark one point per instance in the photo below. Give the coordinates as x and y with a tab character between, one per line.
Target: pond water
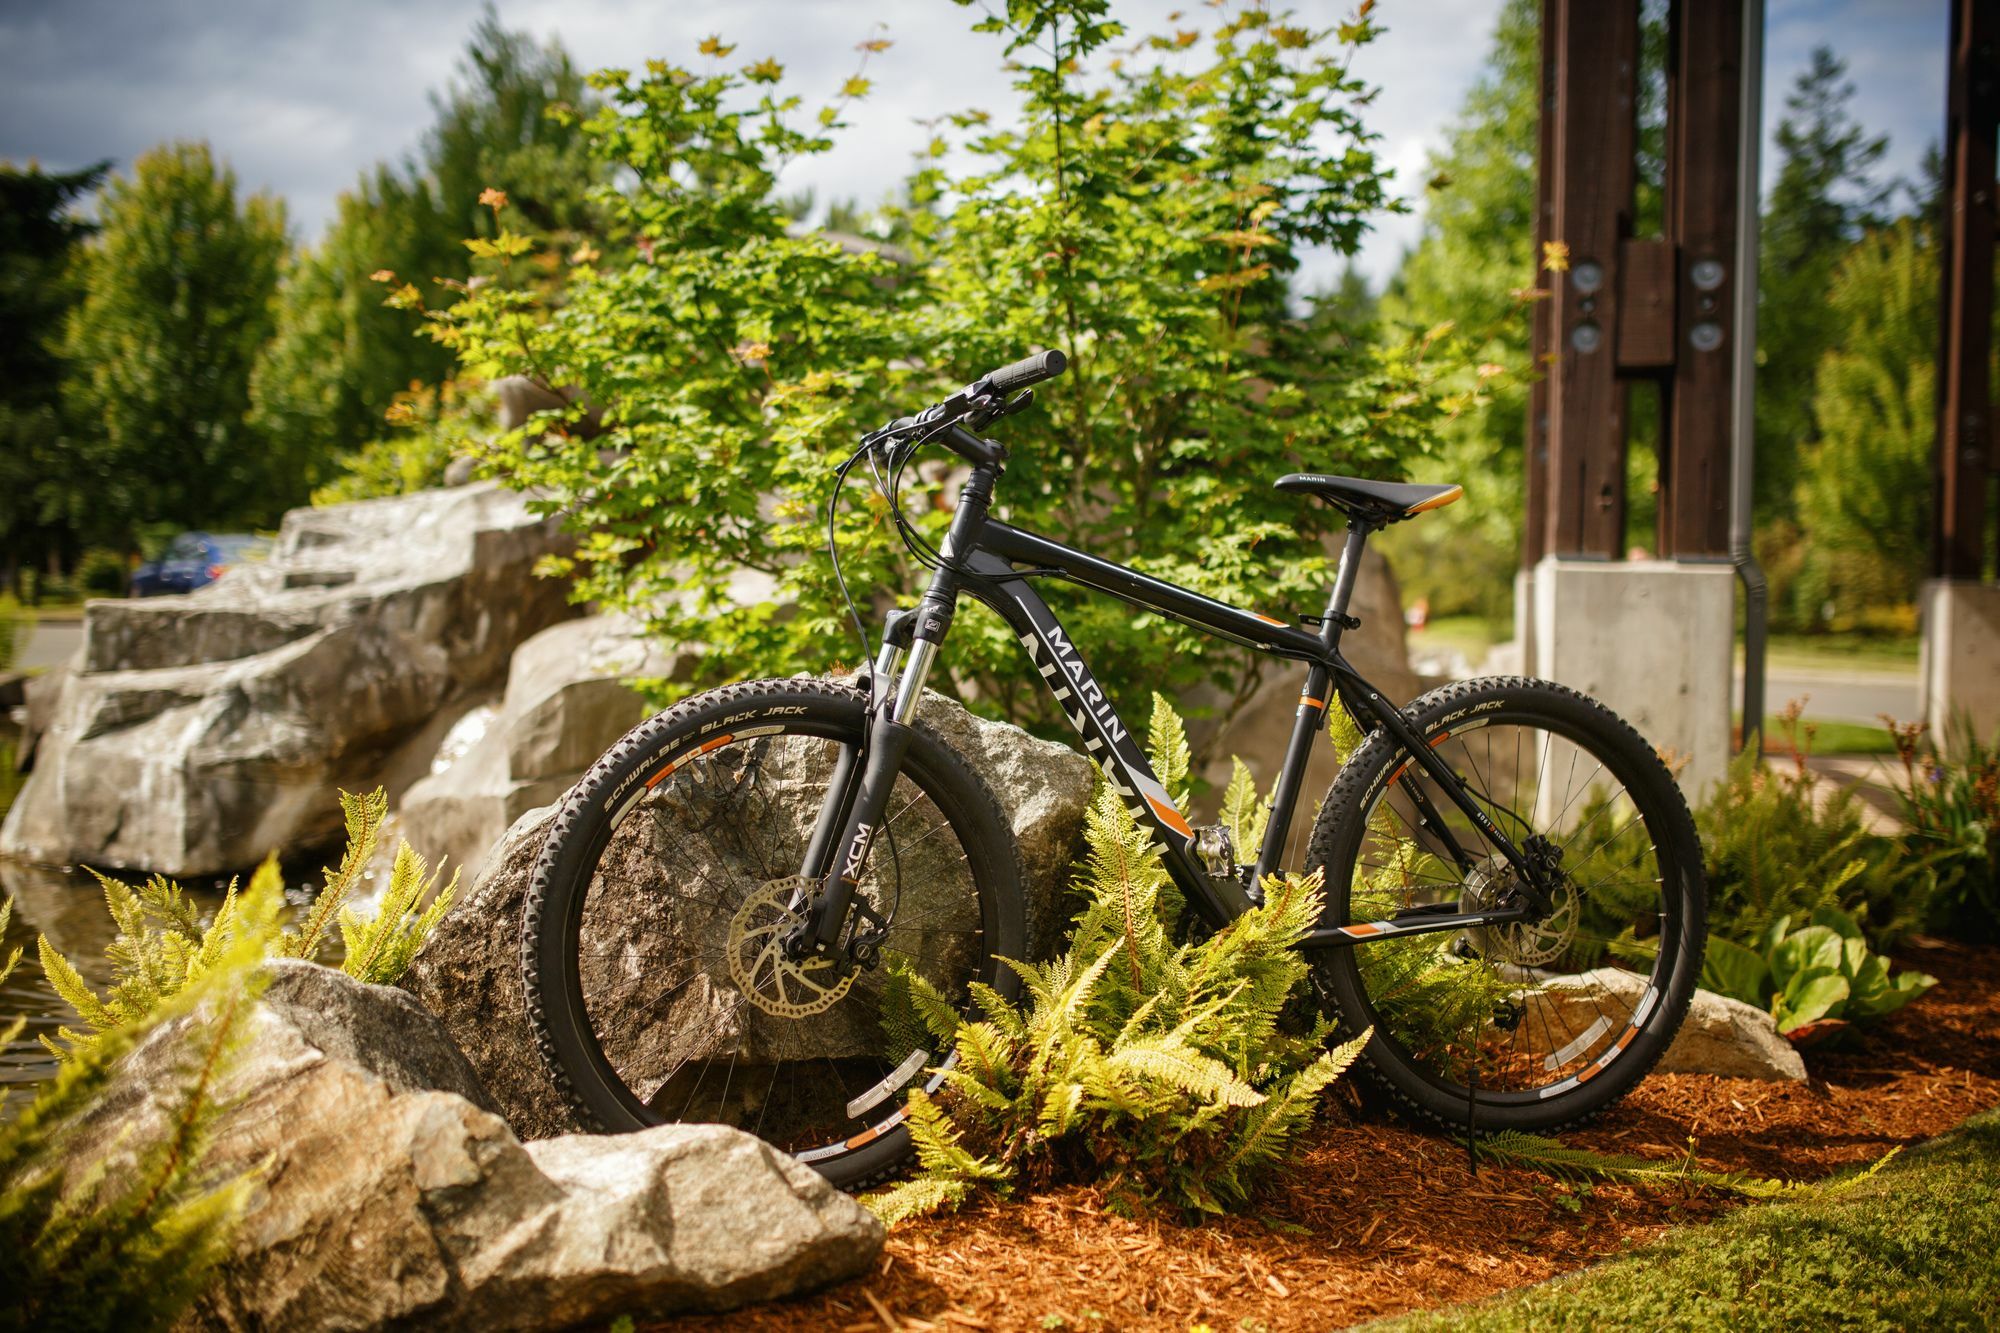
66	905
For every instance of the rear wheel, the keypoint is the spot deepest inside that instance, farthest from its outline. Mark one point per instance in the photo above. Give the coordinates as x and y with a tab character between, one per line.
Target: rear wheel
655	984
1534	1025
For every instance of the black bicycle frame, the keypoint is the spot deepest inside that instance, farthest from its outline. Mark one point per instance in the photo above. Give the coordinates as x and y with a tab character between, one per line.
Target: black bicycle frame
994	563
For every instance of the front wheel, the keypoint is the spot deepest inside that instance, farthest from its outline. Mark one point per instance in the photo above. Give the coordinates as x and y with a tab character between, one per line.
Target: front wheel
1538	1024
656	980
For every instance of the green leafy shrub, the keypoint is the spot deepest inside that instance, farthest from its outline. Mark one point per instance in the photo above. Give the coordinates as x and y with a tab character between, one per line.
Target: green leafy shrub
1144	215
435	425
1167	1071
162	947
101	573
92	1249
1822	971
1776	844
1950	799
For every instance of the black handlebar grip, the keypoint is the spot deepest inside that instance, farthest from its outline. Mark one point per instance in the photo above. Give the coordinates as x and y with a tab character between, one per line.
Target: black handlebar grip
1028	370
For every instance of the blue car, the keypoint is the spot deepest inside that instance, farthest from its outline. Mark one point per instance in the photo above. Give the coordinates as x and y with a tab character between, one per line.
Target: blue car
195	560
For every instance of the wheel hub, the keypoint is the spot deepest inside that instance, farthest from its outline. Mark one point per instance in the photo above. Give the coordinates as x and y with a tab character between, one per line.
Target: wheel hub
1494	883
780	985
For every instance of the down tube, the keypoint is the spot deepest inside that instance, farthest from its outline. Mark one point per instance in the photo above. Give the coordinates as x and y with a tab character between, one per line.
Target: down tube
1105	736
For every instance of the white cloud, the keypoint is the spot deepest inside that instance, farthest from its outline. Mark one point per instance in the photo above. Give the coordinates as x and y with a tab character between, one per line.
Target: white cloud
302	97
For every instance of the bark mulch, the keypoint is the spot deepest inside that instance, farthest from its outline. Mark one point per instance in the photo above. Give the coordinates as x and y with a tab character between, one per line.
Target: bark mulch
1373	1219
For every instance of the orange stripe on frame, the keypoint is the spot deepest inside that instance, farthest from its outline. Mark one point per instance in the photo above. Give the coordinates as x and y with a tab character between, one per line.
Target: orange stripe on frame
1366	928
1268	620
1311	702
1170	817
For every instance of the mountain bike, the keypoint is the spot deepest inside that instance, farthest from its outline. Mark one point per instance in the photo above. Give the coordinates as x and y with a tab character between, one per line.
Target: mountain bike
726	913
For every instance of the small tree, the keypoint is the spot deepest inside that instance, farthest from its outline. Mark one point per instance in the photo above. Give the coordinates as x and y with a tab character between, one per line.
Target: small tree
1144	217
177	302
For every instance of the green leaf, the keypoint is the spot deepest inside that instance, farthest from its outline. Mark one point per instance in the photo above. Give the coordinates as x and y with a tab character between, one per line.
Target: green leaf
1730	969
1809	949
1810	996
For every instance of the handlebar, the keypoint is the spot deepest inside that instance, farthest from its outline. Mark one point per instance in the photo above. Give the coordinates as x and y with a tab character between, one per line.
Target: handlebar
978	403
1028	370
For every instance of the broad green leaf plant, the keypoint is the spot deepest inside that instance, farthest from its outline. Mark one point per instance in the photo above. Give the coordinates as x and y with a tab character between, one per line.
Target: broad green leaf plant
1822	971
1141	204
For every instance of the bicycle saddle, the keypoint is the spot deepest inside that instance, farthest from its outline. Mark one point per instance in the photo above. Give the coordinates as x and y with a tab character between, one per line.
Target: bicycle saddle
1377	502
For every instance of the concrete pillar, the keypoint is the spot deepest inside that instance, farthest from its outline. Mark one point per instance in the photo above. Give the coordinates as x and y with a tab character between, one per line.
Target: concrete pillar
1958	668
1524	620
1652	641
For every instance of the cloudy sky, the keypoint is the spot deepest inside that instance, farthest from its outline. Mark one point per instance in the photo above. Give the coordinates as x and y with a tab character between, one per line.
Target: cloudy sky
301	95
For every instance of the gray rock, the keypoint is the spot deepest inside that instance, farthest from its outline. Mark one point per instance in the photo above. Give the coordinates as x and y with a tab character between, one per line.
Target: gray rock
461	471
566	701
1720	1035
386	1198
201	732
468	972
463	807
1725	1036
567	694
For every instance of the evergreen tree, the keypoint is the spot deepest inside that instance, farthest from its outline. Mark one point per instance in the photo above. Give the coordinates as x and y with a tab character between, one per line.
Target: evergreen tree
340	356
1864	492
177	297
38	232
1822	200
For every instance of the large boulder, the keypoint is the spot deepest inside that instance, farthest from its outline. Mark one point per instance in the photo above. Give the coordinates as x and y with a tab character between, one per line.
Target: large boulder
469	970
387	1196
568	696
200	732
1720	1035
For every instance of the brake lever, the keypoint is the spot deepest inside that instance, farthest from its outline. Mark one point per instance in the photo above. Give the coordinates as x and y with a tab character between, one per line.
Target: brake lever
990	410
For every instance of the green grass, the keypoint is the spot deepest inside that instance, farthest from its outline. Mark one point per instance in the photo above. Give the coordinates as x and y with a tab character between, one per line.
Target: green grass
1862	652
1831	737
1911	1247
1470	635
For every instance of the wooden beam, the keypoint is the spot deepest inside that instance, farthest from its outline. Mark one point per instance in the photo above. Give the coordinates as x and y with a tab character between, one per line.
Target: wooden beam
1535	435
1704	73
1964	450
1645	304
1597	56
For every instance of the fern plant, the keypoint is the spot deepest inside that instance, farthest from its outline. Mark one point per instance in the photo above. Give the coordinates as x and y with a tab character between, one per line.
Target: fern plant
1166	1070
1558	1159
88	1247
1777	844
162	946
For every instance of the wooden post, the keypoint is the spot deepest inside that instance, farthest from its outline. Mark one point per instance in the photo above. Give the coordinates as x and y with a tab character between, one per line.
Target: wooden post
1966	440
1535	435
1591	152
1704	74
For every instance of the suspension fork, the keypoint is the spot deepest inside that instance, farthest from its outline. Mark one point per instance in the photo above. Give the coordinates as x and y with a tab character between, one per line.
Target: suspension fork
842	858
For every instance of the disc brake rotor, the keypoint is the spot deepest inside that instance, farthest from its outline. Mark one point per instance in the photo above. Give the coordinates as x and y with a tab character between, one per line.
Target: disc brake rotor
781	986
1523	943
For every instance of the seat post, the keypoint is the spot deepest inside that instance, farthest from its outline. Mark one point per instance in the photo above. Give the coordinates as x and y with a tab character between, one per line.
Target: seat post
1358	532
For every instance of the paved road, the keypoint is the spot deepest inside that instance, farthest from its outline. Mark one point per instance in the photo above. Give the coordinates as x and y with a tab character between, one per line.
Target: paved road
1837	695
51	643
